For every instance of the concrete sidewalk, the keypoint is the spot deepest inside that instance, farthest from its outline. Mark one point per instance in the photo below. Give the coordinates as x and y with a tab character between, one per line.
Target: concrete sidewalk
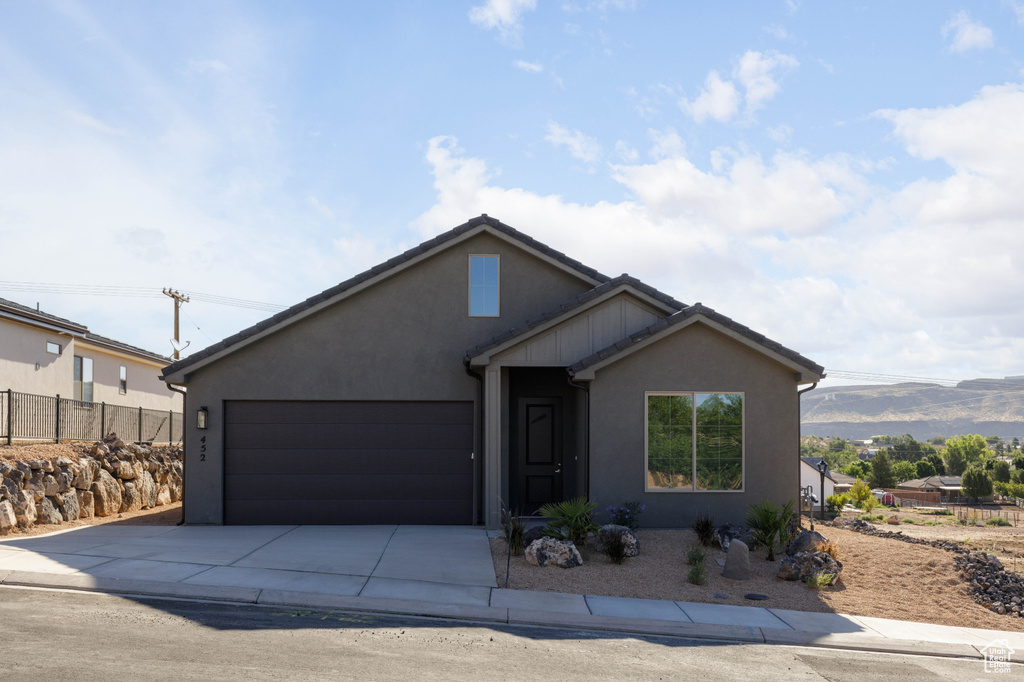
419	570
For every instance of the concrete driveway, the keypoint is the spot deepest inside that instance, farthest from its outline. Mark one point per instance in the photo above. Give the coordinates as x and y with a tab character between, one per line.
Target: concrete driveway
449	564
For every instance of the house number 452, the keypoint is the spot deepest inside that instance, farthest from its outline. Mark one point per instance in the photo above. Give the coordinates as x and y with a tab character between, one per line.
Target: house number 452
202	449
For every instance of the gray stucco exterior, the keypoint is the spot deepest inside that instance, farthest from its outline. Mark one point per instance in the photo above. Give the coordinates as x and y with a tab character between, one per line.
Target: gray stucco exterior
401	332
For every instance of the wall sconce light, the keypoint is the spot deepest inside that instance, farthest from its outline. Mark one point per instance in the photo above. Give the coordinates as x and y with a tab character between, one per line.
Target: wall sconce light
202	418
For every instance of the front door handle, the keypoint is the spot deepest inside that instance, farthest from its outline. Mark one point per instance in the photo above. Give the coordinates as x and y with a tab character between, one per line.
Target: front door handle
558	468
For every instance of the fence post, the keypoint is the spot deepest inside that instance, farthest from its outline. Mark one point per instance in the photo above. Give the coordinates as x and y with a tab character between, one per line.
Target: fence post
57	429
103	420
10	415
140	425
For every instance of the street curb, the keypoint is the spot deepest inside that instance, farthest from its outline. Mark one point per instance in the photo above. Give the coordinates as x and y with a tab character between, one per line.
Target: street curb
711	633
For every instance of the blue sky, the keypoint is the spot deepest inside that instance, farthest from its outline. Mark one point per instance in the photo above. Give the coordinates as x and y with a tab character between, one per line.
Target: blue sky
844	178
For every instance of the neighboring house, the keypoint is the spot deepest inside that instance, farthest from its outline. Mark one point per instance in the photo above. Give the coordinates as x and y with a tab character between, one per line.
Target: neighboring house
47	355
810	476
946	485
484	368
842	482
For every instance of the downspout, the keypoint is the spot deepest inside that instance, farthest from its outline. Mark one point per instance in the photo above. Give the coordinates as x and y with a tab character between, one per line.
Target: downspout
799	428
184	411
479	444
586	431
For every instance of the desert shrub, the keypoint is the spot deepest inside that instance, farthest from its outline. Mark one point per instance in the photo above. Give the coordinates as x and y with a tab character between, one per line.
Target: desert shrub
910	521
997	521
615	547
870	504
768	525
816	581
860	492
627	515
872	517
828	547
514	529
835	503
939	512
695	555
696	574
570	520
704	527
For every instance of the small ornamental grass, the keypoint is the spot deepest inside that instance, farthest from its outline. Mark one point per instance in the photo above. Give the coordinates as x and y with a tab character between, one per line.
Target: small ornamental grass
828	547
514	529
704	527
816	581
695	555
997	521
627	515
615	547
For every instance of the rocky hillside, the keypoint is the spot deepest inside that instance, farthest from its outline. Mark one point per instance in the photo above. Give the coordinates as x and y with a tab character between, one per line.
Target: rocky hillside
990	407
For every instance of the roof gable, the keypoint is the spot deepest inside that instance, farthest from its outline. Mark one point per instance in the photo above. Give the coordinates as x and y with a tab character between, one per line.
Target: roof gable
368	278
697	313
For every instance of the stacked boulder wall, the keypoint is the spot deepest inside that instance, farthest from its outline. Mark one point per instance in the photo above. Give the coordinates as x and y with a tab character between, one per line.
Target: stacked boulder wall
106	494
68	505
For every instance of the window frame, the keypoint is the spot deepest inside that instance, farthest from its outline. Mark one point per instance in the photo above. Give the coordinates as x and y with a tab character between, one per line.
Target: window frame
693	440
122	382
59	346
469	270
80	383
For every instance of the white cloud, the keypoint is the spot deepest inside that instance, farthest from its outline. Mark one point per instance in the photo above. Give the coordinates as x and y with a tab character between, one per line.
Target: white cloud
967	34
504	15
718	99
780	133
666	143
529	67
1018	8
580	146
757	73
778	31
626	152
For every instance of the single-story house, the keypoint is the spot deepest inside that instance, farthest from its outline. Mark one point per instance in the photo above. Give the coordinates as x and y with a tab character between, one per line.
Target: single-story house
811	476
842	482
43	354
946	485
484	369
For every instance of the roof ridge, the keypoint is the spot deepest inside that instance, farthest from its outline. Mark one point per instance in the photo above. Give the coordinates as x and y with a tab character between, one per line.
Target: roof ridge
32	311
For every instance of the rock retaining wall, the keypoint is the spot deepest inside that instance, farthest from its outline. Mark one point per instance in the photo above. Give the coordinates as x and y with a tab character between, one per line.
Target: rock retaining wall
108	477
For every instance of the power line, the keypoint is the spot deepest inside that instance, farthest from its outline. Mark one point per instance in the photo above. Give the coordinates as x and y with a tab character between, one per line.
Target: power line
135	292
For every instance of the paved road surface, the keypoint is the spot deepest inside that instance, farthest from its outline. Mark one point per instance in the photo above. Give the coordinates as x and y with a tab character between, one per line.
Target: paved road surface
53	635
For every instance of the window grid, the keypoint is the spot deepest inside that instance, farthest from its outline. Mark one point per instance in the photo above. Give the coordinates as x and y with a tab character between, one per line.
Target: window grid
484	287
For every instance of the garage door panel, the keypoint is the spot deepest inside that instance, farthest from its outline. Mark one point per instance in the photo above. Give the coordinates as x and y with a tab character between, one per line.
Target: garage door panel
349	487
336	461
348	462
371	412
354	436
336	512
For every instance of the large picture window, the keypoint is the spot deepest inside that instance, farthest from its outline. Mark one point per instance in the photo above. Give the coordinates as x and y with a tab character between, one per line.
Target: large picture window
694	441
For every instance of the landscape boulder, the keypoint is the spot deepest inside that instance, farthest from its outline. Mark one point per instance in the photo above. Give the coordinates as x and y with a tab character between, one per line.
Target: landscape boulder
552	552
737	561
726	533
131	497
68	504
85	504
163	496
24	504
532	534
106	494
629	539
47	512
803	565
7	518
806	541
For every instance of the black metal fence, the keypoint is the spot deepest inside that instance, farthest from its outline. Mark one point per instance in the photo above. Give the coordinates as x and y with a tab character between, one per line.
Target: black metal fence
24	416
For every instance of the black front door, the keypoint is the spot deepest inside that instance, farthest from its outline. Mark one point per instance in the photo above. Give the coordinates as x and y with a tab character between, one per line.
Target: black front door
538	453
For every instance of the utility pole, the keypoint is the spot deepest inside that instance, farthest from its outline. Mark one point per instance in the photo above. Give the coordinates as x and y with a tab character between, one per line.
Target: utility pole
179	298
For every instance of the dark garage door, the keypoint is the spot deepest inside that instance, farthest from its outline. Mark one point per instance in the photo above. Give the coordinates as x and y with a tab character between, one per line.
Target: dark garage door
296	462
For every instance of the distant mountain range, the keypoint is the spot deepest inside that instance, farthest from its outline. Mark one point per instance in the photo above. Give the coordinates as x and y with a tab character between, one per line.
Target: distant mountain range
990	407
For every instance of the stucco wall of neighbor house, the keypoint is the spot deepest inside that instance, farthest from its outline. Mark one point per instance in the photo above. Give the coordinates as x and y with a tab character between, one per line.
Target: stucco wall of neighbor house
145	389
696	358
809	476
21	347
402	339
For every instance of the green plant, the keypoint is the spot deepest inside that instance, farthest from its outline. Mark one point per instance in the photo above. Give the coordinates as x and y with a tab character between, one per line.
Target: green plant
704	527
695	555
571	520
997	521
939	512
816	581
860	492
514	529
627	515
910	521
696	574
870	504
872	517
835	503
768	523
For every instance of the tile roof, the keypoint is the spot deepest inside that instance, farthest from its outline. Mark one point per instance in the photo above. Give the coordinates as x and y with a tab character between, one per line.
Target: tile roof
571	305
685	314
421	249
41	316
931	482
103	340
813	463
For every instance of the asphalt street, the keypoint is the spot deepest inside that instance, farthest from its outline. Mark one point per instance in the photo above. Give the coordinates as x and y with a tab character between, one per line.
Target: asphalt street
63	635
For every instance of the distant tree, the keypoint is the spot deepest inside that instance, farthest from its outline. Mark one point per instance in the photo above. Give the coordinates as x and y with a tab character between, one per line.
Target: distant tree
904	471
924	469
837	460
1001	471
905	448
882	475
838	445
938	464
987	463
860	491
975	482
1018	475
859	469
1015	443
1018	462
927	449
962	451
1000	448
991	440
938	440
883	439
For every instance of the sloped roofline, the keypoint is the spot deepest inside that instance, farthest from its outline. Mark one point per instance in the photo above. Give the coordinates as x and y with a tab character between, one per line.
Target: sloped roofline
570	308
584	369
34	317
375	274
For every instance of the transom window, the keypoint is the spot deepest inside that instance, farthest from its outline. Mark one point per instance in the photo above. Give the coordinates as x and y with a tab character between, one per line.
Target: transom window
694	442
483	286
